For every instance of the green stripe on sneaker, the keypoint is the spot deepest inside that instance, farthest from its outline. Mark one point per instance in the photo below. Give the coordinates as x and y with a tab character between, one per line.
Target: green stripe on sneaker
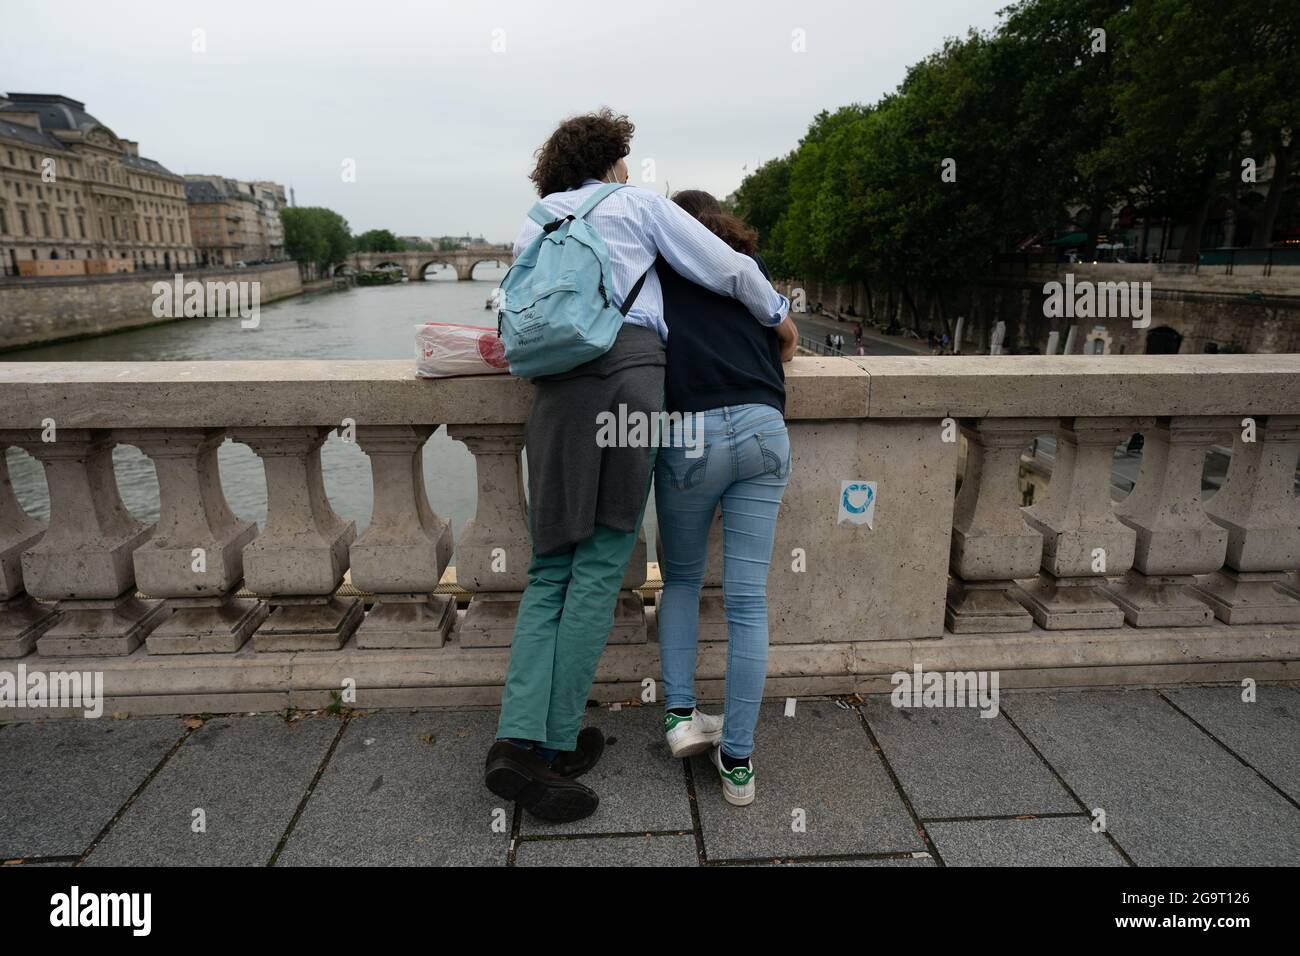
671	720
739	776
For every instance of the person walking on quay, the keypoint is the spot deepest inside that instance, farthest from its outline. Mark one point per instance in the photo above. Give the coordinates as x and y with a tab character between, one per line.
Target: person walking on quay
726	370
586	501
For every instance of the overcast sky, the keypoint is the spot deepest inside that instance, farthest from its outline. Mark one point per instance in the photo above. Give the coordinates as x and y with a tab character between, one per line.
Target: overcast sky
441	125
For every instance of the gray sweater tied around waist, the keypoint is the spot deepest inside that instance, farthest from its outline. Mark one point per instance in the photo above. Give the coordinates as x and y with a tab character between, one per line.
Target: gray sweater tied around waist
573	483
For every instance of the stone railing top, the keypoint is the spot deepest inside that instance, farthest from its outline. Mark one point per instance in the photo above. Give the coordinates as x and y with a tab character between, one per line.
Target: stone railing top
1006	386
254	393
273	393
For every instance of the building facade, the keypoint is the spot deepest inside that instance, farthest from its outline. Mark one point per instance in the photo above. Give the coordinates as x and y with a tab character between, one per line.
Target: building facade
76	198
235	221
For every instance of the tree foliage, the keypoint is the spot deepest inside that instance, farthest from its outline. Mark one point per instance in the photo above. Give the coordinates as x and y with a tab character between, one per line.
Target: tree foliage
378	240
316	235
1068	110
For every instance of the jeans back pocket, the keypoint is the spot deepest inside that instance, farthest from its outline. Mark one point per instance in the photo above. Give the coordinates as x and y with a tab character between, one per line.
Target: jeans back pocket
774	446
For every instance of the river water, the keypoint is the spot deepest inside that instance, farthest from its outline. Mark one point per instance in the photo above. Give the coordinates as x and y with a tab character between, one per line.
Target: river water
377	322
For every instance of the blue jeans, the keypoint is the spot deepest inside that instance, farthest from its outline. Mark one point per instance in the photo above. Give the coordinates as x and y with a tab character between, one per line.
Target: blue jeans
745	465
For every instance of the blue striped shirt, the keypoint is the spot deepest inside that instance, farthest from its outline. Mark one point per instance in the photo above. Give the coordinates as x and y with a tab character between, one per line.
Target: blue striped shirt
637	225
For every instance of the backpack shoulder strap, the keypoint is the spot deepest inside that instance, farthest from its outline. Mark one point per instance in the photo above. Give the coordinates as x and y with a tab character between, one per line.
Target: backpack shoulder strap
596	198
540	214
626	307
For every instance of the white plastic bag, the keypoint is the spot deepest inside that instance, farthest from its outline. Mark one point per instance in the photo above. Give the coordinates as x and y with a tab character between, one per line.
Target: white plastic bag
443	350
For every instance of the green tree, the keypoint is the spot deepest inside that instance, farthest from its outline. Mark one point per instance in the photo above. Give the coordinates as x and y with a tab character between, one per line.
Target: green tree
378	240
313	234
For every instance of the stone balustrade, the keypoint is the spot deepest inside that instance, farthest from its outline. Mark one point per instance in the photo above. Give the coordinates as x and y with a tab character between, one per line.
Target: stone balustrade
205	611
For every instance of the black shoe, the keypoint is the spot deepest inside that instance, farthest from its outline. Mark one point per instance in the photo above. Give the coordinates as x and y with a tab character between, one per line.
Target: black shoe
574	763
514	773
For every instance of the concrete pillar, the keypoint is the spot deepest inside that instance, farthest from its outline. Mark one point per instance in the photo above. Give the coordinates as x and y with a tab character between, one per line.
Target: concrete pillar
494	549
401	556
1084	543
992	544
1258	507
1176	539
22	618
83	561
194	560
298	562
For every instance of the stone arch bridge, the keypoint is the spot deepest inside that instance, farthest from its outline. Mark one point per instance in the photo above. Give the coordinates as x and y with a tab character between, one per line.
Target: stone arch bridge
416	263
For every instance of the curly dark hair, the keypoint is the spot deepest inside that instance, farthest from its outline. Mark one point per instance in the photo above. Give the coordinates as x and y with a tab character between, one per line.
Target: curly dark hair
582	147
731	229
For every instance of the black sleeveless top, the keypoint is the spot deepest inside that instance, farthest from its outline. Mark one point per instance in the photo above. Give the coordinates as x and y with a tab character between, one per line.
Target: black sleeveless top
718	353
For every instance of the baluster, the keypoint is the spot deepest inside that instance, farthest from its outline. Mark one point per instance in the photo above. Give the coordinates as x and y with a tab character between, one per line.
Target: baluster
83	561
1176	539
494	550
22	618
1083	541
194	560
401	556
992	544
298	561
1261	512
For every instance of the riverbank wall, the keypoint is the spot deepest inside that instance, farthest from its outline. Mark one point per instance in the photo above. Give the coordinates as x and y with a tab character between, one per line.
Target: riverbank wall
1190	311
42	311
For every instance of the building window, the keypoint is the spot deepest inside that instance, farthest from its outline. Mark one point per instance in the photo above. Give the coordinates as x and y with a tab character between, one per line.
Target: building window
81	226
22	221
63	224
4	222
45	223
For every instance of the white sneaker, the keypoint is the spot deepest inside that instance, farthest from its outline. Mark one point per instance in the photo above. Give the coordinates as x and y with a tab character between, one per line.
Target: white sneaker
738	784
691	735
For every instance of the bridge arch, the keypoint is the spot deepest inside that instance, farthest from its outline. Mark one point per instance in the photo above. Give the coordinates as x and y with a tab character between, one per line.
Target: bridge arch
422	272
477	261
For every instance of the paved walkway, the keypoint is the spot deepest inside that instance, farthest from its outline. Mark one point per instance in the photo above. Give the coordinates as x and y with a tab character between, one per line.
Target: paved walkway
1184	776
816	326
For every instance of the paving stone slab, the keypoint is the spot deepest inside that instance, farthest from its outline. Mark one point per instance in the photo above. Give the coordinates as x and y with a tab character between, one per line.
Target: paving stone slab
642	787
1266	733
247	774
1172	796
1051	841
820	761
952	762
888	861
405	789
61	781
620	851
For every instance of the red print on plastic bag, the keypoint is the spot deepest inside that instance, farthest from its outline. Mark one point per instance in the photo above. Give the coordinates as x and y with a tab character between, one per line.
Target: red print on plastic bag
492	350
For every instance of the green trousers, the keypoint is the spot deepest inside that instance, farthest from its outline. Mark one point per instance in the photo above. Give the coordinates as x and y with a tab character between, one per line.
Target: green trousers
564	621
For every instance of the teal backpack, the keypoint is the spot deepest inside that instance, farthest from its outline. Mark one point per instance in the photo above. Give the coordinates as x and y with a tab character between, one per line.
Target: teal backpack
555	311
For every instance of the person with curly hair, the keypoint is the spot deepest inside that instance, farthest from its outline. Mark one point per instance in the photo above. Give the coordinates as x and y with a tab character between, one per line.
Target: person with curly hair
587	502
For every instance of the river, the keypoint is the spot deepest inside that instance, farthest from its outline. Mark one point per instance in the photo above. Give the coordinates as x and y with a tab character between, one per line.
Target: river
377	322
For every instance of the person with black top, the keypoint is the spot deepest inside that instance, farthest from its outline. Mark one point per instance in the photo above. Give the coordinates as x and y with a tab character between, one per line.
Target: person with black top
724	377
